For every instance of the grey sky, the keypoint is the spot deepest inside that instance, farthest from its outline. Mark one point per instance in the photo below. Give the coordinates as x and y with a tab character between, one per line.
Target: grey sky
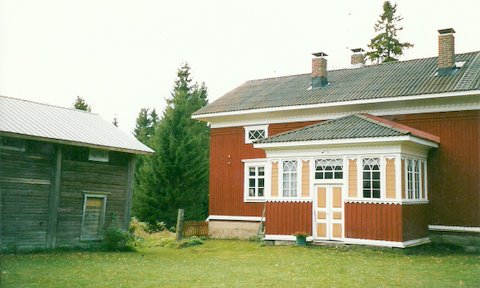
123	55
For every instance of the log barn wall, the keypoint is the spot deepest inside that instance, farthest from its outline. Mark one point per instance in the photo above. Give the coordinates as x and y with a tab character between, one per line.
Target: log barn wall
28	210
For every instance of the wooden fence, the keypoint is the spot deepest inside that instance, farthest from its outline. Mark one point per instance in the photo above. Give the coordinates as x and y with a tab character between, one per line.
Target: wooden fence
195	228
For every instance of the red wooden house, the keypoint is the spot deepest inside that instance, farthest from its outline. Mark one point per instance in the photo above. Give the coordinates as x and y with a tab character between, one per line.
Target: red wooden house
380	155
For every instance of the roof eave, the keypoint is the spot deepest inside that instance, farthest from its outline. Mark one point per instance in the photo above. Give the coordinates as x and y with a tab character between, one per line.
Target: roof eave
80	144
348	141
208	117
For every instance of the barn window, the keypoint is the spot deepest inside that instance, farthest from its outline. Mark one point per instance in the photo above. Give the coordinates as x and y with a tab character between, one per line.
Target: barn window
371	178
93	217
289	178
255	133
98	155
8	143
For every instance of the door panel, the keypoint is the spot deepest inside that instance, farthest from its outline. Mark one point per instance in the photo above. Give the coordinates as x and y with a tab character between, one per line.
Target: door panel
329	212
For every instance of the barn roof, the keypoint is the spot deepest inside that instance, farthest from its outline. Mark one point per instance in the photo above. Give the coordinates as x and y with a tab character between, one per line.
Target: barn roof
380	81
37	121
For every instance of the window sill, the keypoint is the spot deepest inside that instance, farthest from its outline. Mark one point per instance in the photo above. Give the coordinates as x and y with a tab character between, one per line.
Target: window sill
254	200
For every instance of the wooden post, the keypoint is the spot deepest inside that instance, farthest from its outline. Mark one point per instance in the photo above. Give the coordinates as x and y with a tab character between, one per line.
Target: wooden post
180	225
54	197
128	198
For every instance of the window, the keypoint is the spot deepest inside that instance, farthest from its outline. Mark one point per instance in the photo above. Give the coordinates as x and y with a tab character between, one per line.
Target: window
255	133
289	178
93	217
98	155
371	178
328	169
8	143
256	181
414	179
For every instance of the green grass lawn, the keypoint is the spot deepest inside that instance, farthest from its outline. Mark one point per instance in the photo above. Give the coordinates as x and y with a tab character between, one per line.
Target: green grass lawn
230	263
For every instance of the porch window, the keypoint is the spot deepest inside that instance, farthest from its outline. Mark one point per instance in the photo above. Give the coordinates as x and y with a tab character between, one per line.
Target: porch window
371	178
254	181
8	143
289	178
328	169
414	179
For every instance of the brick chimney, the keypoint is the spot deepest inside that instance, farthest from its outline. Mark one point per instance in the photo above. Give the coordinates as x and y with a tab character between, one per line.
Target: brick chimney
319	70
446	51
358	57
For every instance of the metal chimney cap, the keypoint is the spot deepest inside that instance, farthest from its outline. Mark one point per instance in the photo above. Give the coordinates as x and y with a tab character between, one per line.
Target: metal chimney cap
446	31
357	50
320	54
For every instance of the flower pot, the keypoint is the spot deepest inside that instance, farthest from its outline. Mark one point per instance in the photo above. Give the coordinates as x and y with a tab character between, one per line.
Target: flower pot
301	240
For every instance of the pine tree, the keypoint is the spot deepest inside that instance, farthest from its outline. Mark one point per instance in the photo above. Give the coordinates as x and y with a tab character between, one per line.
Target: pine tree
176	176
80	104
386	44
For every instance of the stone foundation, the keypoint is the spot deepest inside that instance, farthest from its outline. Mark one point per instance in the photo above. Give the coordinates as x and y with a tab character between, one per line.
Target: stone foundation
232	229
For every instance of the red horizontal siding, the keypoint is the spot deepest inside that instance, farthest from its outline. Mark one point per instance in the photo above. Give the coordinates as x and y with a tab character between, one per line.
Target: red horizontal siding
453	168
227	150
286	218
373	221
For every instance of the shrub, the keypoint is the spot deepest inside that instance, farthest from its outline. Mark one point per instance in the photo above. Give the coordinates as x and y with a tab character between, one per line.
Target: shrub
116	239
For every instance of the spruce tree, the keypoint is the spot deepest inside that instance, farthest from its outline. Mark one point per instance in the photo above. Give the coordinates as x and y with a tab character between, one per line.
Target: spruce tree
176	176
386	44
80	104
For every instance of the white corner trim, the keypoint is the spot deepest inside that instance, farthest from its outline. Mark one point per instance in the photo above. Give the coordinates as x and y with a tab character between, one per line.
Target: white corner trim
234	218
284	237
453	228
347	141
382	243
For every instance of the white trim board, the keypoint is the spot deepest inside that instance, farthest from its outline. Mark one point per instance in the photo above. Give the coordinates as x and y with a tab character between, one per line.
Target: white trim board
336	104
347	141
234	218
274	237
382	243
453	228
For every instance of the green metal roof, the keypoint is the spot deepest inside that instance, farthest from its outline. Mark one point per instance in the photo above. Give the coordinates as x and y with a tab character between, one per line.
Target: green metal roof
348	127
393	79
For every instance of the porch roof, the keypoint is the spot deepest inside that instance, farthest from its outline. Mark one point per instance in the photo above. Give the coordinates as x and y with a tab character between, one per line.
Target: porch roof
355	126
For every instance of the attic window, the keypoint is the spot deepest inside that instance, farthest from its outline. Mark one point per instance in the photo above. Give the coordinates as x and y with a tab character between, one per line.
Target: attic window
15	144
255	133
98	155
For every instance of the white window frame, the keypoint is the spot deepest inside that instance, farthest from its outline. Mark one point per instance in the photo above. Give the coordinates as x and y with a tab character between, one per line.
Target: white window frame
381	179
102	217
248	129
298	176
414	183
246	175
342	165
98	155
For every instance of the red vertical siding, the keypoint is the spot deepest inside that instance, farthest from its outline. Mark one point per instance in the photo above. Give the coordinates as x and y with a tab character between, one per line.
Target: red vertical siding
286	218
373	221
227	150
415	221
453	168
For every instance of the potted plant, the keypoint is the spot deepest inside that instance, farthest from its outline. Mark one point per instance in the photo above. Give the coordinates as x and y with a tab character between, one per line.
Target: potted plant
301	238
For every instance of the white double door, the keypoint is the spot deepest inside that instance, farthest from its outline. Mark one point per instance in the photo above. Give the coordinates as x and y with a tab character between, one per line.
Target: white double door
328	212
